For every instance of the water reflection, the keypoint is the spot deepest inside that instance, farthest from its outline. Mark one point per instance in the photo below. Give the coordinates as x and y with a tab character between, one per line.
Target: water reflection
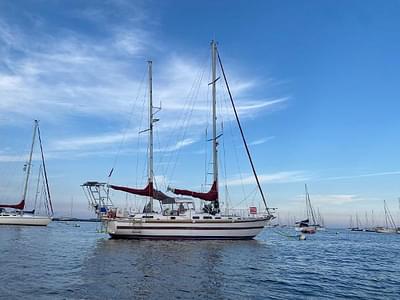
144	268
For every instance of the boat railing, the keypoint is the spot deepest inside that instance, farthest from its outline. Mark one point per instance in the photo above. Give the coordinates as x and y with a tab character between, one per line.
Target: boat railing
242	212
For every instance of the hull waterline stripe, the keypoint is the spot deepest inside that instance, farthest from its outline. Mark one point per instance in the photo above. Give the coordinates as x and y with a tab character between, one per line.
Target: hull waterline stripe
187	228
10	224
177	237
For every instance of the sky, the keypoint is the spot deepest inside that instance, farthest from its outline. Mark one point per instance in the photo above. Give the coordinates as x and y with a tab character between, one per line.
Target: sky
315	82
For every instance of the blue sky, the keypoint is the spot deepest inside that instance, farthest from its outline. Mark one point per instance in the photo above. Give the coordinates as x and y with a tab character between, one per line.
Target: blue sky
316	84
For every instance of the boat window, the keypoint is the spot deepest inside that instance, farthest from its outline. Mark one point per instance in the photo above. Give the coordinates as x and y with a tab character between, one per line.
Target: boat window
217	218
172	218
207	217
195	217
229	218
147	217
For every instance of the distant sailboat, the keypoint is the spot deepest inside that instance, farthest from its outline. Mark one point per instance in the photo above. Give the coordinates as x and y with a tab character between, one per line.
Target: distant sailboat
309	225
357	226
320	221
390	226
14	214
369	225
350	223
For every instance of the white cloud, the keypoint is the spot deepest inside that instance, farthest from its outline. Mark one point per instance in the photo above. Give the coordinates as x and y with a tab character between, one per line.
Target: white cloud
261	141
330	199
92	141
177	146
72	77
78	77
12	158
376	174
278	177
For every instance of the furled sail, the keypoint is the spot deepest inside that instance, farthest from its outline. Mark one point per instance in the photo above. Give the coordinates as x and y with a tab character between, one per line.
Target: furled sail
20	205
211	195
149	191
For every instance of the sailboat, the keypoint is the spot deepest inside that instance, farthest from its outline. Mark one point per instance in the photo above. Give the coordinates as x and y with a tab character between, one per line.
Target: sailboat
369	223
310	224
178	218
358	226
320	221
14	214
390	226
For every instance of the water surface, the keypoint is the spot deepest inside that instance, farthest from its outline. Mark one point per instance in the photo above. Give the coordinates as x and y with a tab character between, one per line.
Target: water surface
66	262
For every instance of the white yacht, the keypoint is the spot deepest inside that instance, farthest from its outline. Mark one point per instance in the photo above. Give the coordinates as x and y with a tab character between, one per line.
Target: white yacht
14	214
178	218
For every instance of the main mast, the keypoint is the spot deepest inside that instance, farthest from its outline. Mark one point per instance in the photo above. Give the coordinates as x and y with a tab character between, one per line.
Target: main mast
28	170
150	154
214	116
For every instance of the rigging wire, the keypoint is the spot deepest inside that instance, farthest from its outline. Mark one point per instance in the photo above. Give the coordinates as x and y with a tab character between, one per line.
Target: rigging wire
167	149
158	144
224	168
37	186
46	182
242	134
138	151
222	158
234	146
188	116
207	159
126	130
188	112
14	178
252	193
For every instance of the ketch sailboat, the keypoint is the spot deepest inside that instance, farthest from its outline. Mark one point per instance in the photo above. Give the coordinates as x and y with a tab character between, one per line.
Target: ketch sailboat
310	224
178	218
14	214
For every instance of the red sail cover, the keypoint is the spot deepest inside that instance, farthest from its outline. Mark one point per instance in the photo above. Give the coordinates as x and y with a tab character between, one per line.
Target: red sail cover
20	205
211	195
147	191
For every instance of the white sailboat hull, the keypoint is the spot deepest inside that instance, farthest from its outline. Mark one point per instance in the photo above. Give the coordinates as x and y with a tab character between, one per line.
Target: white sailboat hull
185	229
307	229
385	230
27	220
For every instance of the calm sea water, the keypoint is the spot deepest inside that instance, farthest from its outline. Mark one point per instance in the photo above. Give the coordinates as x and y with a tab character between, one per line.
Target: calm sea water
66	262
